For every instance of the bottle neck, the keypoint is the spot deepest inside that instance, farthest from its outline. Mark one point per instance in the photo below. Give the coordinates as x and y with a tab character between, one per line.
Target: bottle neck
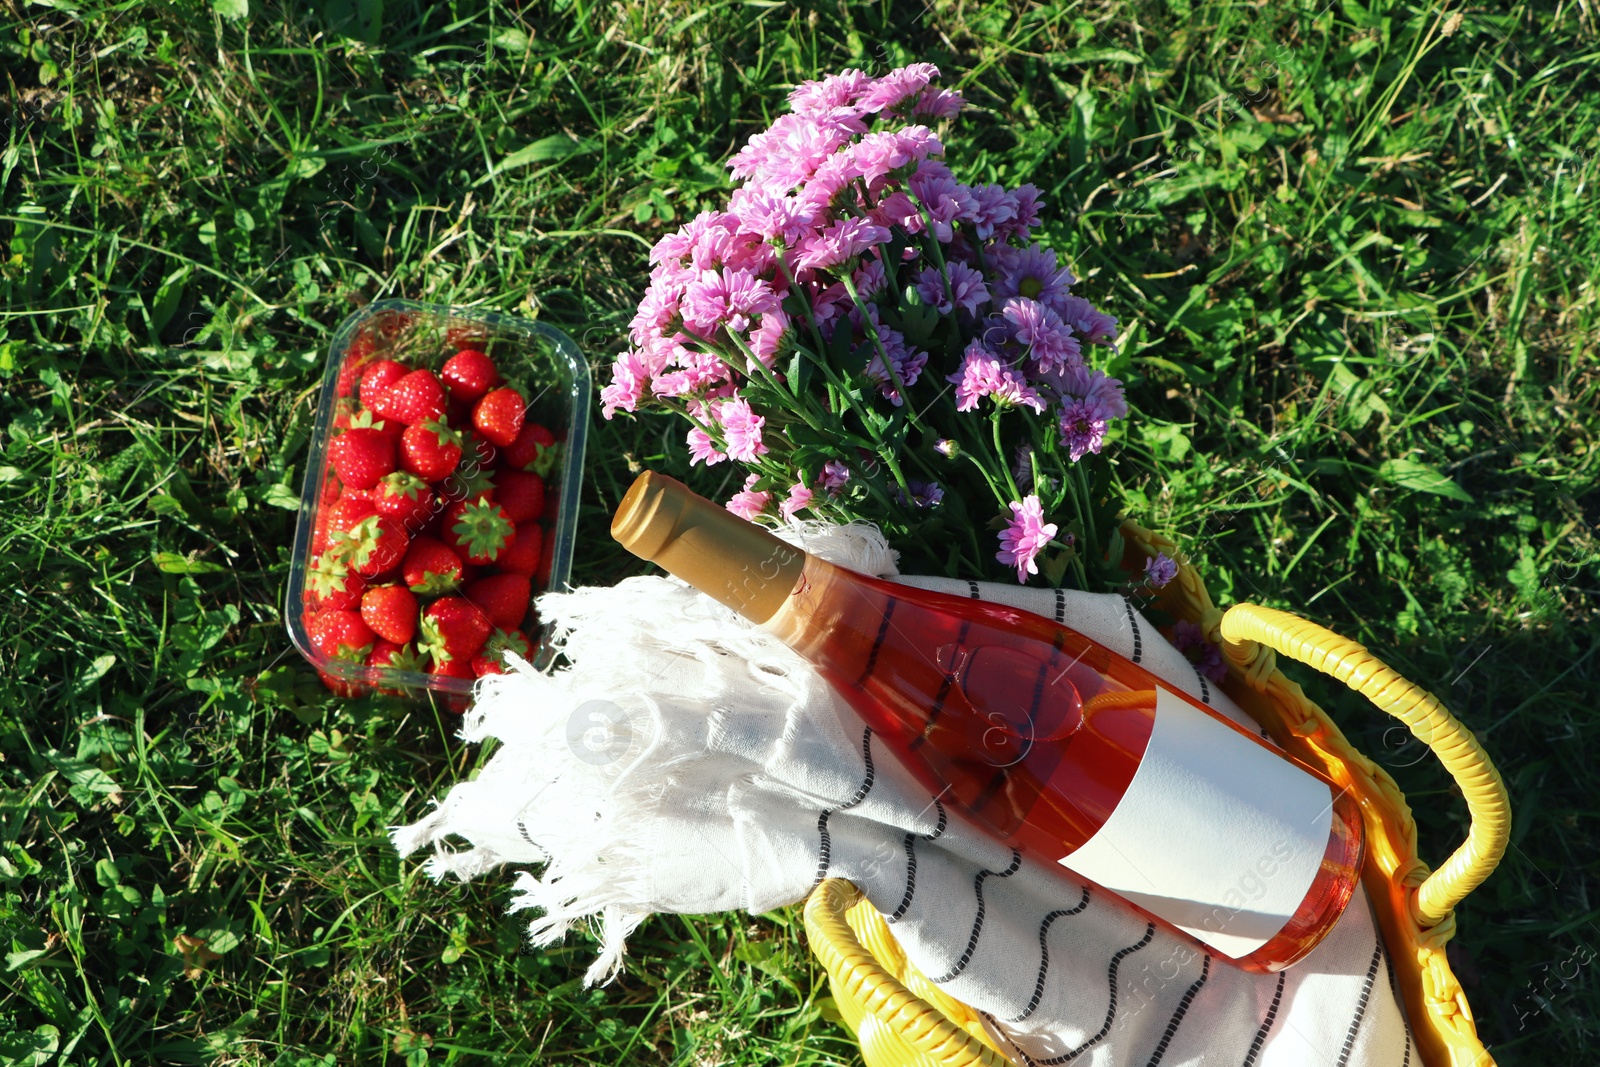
735	562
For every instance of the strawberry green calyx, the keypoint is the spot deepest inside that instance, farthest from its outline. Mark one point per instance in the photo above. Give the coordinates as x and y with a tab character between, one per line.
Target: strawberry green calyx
443	431
366	420
434	584
433	642
328	575
403	485
408	658
549	457
483	530
507	641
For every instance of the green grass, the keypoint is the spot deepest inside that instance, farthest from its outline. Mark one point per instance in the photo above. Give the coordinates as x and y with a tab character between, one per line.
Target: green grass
1354	247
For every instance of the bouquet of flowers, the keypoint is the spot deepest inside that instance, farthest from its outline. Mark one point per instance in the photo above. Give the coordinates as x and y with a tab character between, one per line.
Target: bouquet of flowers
873	339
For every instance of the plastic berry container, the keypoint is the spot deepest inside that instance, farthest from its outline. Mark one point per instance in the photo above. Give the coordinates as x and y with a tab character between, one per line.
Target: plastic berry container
345	546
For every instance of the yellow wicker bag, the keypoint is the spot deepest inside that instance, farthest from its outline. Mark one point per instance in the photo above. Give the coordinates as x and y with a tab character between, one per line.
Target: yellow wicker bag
903	1020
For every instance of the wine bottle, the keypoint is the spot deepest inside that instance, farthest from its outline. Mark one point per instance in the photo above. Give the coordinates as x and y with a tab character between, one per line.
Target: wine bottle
1053	742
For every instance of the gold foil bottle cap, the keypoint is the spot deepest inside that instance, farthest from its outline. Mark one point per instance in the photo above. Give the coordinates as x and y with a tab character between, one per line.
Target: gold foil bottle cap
730	560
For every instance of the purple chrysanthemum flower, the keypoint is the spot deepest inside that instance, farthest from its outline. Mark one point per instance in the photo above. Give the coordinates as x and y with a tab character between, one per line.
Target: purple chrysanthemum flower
1031	272
1094	326
992	207
834	476
947	448
923	494
966	286
1159	570
1206	657
1083	427
1025	536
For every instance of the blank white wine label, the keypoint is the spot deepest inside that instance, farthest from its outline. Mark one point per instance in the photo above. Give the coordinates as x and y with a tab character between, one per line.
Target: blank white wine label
1216	834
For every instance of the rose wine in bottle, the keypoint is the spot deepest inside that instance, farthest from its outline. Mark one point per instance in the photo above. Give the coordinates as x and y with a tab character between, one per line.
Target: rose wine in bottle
1059	746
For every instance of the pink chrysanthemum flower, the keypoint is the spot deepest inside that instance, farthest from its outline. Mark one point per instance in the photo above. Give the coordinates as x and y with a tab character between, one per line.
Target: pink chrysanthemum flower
834	91
788	153
896	87
702	449
769	338
741	428
936	104
748	503
834	476
839	243
1049	341
628	382
983	374
1159	570
728	298
877	155
799	498
1025	536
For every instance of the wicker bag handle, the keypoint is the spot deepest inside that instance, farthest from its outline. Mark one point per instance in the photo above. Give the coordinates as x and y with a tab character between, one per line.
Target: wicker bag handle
1455	745
859	976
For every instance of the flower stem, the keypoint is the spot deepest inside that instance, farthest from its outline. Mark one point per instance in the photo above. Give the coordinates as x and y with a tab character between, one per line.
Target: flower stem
1000	456
883	354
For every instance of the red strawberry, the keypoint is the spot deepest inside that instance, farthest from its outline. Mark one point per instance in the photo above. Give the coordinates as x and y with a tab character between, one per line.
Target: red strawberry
374	545
330	584
342	635
430	449
346	512
521	495
469	374
430	567
378	376
454	628
489	661
452	668
522	555
404	497
503	597
362	456
479	528
391	611
412	399
534	449
499	415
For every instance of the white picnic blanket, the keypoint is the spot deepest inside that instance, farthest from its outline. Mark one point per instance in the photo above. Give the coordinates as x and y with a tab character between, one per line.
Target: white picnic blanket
688	762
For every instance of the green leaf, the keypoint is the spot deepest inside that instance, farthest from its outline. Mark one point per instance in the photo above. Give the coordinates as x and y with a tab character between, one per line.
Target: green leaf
281	496
1421	478
231	9
172	563
552	149
1094	55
